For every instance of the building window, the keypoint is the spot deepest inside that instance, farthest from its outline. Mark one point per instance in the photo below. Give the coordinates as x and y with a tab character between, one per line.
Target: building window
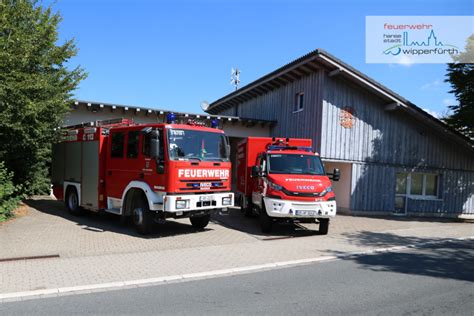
117	145
132	144
299	102
431	184
417	184
401	183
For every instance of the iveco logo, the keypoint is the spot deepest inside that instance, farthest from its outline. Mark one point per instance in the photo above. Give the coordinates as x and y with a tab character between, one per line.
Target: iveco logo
305	187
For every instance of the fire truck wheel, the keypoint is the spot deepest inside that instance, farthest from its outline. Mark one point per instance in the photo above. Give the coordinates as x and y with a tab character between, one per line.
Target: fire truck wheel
72	201
266	221
142	217
323	226
201	221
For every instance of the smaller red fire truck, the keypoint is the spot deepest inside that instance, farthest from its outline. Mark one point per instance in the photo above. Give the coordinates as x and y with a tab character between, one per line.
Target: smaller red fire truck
284	180
144	172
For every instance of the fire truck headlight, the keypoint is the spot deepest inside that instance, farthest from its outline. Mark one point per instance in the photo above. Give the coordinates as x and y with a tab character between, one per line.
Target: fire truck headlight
327	190
226	201
275	186
181	204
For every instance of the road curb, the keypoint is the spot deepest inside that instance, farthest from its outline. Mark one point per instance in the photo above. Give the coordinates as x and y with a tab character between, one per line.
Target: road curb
16	296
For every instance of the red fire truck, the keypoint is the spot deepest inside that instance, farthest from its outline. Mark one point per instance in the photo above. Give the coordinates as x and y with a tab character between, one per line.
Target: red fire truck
284	180
147	172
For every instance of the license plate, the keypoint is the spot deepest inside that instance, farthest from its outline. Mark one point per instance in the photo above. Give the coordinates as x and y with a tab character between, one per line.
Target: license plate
306	213
205	198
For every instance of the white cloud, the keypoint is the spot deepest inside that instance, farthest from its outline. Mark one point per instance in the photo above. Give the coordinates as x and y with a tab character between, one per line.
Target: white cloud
430	85
405	61
432	113
402	60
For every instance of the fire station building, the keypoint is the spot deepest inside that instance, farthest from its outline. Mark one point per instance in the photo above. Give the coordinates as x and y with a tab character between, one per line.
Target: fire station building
394	157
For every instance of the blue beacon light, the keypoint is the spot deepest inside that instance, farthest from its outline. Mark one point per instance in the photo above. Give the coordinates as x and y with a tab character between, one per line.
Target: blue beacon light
214	123
170	118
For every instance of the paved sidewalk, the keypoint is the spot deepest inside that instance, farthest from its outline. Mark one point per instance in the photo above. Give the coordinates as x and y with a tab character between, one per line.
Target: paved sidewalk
98	249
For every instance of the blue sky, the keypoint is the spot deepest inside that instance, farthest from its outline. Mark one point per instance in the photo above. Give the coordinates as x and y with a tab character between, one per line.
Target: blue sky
175	54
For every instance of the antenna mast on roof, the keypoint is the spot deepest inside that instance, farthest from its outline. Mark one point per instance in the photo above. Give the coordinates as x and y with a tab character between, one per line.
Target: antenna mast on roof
235	77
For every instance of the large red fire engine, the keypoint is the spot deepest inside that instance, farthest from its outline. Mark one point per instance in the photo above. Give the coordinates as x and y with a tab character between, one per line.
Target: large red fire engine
147	172
283	179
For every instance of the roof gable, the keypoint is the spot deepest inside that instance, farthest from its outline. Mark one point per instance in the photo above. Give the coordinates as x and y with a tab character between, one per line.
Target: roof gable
320	59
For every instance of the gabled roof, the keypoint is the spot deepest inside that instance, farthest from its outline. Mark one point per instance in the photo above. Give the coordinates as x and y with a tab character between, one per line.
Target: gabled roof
320	59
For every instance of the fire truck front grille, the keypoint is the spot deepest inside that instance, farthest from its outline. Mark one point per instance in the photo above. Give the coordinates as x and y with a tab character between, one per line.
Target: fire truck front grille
195	185
302	194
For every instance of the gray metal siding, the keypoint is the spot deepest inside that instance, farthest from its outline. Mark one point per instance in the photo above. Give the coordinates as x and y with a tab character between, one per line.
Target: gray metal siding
382	136
383	142
420	206
458	191
372	188
456	195
278	105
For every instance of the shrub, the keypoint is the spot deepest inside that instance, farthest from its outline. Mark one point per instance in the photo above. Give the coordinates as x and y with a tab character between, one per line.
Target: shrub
9	193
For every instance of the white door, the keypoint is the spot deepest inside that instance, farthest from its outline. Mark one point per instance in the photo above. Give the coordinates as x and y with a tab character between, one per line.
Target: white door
342	188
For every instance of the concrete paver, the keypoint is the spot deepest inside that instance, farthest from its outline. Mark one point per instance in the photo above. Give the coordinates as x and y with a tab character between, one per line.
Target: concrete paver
98	249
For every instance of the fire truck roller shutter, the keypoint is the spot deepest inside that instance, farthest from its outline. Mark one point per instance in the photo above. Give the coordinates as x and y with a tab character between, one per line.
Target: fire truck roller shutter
234	141
90	174
155	200
72	170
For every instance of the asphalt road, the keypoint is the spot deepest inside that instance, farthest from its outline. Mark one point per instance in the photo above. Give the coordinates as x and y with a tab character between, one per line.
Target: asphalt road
437	279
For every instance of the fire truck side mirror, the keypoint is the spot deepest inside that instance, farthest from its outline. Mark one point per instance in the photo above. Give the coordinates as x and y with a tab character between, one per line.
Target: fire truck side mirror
336	175
155	144
255	171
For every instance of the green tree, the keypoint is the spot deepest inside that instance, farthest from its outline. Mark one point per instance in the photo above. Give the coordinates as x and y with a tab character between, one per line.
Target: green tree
9	196
461	77
36	88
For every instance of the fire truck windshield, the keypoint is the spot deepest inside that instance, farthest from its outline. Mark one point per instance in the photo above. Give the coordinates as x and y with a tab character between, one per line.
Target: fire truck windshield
203	146
295	164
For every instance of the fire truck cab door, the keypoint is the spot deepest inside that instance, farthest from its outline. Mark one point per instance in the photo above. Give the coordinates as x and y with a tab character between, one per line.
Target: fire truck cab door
259	182
124	163
154	169
114	177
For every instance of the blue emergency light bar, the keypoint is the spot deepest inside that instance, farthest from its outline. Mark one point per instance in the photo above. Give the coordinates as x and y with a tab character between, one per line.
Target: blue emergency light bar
279	147
170	118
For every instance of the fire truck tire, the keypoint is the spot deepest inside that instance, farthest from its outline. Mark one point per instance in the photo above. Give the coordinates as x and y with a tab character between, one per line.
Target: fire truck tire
142	218
266	221
200	222
323	226
72	202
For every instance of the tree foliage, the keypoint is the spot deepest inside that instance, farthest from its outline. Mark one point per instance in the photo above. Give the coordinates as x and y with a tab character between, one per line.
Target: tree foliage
461	77
9	196
35	89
